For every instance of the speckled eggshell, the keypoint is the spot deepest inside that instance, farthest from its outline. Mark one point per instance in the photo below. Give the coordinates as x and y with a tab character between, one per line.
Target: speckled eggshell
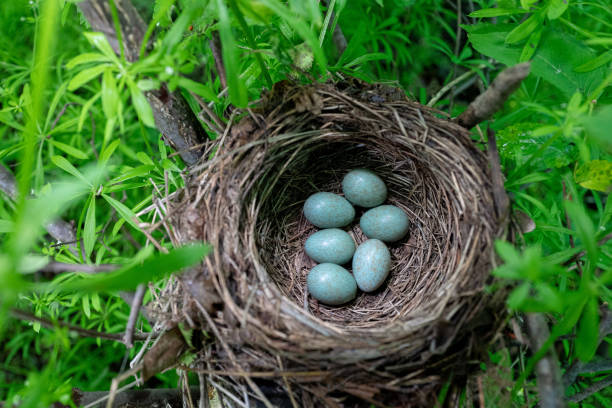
331	245
364	188
386	222
328	210
371	264
331	284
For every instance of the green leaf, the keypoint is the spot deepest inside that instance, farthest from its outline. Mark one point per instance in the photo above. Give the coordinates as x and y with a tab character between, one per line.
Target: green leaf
583	225
532	44
72	151
65	165
89	229
506	251
129	277
145	113
598	127
135	172
376	56
556	8
524	29
496	12
99	41
144	158
86	107
596	175
148	84
587	335
86	58
236	85
86	308
108	151
554	60
197	88
6	226
175	34
538	147
110	94
596	62
85	76
127	214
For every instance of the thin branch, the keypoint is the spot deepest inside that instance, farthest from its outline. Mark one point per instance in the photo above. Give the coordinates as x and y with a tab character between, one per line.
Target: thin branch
492	100
61	267
215	47
598	386
60	230
550	387
580	254
605	328
502	202
450	85
23	315
7	183
131	324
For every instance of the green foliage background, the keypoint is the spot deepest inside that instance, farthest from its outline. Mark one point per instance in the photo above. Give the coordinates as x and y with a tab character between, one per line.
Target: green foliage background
79	134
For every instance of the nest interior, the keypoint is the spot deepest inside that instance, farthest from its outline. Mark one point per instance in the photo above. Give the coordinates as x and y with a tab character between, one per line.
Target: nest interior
247	202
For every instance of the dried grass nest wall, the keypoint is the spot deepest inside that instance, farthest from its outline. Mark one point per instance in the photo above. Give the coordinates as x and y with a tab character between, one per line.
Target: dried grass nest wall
247	202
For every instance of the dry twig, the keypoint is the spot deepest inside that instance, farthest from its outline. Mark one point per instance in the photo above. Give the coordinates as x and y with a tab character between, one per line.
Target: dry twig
550	386
23	315
492	100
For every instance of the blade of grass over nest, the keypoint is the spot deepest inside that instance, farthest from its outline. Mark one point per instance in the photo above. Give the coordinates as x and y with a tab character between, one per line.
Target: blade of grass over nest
129	277
45	43
236	85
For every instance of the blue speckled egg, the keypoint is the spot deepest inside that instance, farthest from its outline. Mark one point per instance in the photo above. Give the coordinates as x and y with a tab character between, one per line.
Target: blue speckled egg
331	284
371	264
387	223
328	210
364	188
330	245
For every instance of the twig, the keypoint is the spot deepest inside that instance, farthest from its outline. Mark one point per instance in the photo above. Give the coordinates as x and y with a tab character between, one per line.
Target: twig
502	202
216	125
7	183
338	38
60	230
450	85
580	254
117	380
23	315
172	114
60	267
231	355
550	387
131	324
605	328
598	386
492	100
215	47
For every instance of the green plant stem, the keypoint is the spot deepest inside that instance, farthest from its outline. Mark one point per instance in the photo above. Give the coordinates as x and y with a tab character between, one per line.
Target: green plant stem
117	24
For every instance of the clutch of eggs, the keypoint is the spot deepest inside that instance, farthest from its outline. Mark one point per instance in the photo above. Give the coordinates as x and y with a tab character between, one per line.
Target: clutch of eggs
329	282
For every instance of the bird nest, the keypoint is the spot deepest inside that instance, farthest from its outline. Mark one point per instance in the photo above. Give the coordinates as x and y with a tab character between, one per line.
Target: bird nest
250	294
